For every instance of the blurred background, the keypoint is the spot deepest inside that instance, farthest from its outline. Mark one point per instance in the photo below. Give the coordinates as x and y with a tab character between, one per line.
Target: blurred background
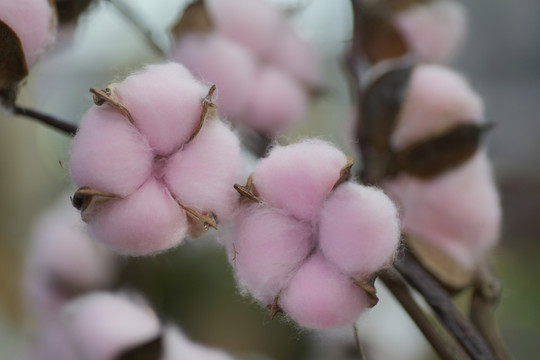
193	285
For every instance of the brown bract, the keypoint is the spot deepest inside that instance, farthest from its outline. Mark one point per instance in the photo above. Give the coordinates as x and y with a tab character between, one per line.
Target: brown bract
13	67
195	18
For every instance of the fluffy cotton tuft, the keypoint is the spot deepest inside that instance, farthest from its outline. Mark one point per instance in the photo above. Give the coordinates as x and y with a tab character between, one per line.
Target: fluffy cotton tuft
434	30
34	23
437	99
178	346
102	325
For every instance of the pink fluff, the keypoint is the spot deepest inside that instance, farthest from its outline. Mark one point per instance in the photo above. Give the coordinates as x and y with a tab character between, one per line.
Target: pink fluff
109	154
178	346
277	102
148	221
297	56
220	61
458	211
268	247
297	178
437	99
434	30
253	23
203	173
359	229
165	103
32	22
320	297
103	325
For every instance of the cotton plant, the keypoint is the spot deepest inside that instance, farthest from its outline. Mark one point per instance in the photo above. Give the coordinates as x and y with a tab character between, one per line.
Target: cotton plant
156	159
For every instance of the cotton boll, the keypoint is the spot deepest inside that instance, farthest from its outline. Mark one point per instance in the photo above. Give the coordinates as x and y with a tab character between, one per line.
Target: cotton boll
253	23
178	346
220	61
458	211
109	154
277	102
103	325
437	99
320	297
165	102
268	247
146	222
297	178
358	230
34	23
434	30
203	173
50	344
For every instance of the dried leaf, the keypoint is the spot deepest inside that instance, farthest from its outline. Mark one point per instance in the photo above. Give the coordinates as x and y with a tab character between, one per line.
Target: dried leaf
248	192
208	110
274	308
150	350
345	173
199	223
368	286
13	66
195	18
381	40
86	199
69	10
105	96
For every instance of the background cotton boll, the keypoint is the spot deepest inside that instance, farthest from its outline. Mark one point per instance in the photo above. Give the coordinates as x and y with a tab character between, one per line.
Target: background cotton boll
437	99
458	211
178	346
358	229
298	177
277	102
320	297
109	154
203	174
220	61
253	23
165	102
50	344
148	221
33	22
434	30
102	325
268	247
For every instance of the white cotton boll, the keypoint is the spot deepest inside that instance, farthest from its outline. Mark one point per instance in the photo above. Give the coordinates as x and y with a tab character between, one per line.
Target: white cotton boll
178	346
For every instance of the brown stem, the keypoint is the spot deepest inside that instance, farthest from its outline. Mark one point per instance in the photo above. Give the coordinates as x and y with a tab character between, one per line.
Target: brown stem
484	300
446	347
359	347
64	126
439	300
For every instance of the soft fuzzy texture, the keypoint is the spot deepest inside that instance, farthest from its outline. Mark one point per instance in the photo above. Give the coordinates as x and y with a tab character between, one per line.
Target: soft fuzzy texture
437	98
34	23
434	30
277	102
298	178
102	325
215	59
255	24
269	247
458	211
154	168
359	229
178	346
320	297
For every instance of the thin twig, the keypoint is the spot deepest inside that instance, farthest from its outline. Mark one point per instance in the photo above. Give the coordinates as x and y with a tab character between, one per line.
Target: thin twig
446	347
447	312
359	347
64	126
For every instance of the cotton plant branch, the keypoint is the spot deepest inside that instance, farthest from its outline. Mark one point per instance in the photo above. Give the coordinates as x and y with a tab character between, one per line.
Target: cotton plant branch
64	126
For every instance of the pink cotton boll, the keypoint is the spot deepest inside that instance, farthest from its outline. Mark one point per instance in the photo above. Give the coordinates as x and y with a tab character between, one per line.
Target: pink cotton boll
358	229
217	60
202	175
178	346
277	102
268	247
434	30
437	99
458	211
297	178
255	24
103	325
165	102
146	222
109	154
34	23
297	56
320	297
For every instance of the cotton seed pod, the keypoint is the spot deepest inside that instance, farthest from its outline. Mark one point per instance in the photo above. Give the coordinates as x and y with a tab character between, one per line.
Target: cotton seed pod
434	30
154	162
101	326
